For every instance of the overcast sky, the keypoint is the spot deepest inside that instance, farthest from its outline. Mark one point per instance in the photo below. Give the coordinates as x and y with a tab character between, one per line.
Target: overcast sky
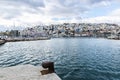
31	12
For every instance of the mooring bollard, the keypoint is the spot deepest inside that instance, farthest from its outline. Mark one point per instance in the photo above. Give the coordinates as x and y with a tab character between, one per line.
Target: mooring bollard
50	67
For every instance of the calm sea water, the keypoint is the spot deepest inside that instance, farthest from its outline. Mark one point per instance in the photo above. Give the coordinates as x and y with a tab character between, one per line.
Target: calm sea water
75	58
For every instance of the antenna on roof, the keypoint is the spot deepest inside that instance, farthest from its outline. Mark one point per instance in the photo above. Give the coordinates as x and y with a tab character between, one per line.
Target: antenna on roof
14	24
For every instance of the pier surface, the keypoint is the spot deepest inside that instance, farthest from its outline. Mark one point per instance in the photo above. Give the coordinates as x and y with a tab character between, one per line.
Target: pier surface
25	72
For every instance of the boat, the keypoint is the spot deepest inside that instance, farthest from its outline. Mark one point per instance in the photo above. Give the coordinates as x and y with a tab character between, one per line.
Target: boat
2	41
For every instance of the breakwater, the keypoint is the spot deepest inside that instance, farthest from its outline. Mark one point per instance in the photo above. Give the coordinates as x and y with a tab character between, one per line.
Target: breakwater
26	39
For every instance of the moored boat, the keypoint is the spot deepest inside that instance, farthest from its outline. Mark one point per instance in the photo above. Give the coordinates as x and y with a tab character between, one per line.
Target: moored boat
2	41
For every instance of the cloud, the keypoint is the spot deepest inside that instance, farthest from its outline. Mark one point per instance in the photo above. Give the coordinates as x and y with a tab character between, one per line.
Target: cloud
12	8
102	19
30	3
71	7
113	17
115	13
31	12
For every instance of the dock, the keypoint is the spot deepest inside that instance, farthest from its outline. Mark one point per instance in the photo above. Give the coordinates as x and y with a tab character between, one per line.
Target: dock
26	39
25	72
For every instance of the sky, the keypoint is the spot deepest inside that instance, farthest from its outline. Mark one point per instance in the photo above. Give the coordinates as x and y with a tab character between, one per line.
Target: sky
33	12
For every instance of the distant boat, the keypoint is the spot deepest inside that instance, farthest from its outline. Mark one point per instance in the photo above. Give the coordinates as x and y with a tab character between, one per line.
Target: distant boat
2	41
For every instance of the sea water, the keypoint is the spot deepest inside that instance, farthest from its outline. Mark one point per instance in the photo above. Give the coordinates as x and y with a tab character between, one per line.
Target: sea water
75	58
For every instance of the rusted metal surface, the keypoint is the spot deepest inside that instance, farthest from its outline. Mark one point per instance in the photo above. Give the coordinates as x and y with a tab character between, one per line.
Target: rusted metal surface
49	66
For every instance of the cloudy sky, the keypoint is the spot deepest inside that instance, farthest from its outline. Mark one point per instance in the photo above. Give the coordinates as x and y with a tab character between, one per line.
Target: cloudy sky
31	12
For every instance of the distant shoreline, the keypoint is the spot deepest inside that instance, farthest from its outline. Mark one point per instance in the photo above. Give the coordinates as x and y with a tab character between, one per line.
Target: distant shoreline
44	38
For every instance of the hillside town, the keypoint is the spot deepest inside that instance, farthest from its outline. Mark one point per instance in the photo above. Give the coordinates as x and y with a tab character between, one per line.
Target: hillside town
102	30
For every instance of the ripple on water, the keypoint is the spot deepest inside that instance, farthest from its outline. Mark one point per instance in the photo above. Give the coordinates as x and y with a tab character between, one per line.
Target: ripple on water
75	58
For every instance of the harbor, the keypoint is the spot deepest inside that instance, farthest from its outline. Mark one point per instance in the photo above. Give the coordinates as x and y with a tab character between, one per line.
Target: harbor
43	32
59	39
89	59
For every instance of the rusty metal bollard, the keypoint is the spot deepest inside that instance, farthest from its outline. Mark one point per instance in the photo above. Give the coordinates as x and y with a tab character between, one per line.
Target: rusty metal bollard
50	67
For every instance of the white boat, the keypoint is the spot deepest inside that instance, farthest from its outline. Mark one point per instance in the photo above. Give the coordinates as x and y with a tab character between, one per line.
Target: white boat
2	41
112	37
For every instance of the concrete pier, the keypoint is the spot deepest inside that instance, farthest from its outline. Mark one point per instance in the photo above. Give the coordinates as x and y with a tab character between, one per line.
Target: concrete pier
26	72
26	39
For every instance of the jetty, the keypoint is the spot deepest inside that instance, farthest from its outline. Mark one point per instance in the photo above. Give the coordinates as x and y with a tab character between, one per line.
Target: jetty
26	39
26	72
